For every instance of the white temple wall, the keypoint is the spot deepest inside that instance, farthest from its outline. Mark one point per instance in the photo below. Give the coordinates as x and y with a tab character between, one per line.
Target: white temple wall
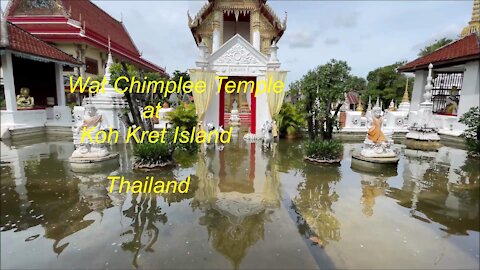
470	95
262	111
212	114
418	89
9	84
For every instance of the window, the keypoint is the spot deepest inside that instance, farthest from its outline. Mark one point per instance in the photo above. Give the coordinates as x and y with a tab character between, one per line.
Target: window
67	68
446	91
91	66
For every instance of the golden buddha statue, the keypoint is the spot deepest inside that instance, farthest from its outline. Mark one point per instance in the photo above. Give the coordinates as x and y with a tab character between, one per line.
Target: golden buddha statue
375	133
452	102
24	100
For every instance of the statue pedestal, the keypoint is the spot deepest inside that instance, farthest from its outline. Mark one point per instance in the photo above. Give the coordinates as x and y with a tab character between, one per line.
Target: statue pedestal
373	164
378	150
423	135
234	118
375	156
91	163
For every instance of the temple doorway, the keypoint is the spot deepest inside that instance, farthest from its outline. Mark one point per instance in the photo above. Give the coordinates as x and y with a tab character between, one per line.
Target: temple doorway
240	101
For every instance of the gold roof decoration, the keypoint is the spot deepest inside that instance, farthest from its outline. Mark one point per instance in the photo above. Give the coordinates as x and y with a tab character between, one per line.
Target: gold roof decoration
237	7
474	24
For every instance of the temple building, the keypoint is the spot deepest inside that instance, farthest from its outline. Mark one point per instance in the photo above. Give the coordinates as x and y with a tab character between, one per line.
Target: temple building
32	82
456	79
82	31
237	39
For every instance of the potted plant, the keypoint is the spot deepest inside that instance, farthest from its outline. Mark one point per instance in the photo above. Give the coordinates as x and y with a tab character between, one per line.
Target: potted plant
151	156
323	151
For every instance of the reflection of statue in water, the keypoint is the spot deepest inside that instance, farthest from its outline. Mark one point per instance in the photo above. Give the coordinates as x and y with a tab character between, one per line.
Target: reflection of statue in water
93	122
24	100
375	133
372	187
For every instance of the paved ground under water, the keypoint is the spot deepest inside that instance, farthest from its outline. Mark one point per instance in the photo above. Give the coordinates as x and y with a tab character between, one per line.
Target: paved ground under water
246	209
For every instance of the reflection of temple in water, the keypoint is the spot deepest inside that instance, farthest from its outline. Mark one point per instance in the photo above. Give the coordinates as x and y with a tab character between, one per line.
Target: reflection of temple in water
54	198
237	191
430	189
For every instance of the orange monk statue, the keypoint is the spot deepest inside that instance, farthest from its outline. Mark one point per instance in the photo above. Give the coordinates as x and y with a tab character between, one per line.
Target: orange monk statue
375	133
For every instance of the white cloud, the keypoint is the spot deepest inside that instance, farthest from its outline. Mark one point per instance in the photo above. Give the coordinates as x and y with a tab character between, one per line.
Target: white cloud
346	20
302	38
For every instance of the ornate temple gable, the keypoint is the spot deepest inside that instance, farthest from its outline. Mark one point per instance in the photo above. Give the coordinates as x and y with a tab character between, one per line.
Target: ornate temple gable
36	7
211	14
238	57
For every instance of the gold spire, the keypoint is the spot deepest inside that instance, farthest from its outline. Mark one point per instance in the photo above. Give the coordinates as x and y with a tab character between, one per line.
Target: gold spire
474	24
360	107
406	98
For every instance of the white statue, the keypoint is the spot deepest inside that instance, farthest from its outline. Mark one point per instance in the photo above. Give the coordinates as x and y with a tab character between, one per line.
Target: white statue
89	148
267	130
376	144
234	116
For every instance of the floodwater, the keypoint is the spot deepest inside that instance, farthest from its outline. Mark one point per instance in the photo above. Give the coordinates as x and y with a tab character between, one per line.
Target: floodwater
246	209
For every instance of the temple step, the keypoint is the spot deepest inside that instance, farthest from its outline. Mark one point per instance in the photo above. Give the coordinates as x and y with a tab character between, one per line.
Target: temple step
245	118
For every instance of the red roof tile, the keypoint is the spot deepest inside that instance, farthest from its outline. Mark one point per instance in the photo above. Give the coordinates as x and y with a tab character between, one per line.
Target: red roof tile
22	41
457	52
100	22
98	25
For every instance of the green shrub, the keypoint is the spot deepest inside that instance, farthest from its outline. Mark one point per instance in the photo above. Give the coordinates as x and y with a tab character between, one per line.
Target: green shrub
184	117
323	150
291	130
150	153
472	134
289	119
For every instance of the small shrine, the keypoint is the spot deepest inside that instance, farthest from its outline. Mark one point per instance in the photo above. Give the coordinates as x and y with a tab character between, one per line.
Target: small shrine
423	133
237	39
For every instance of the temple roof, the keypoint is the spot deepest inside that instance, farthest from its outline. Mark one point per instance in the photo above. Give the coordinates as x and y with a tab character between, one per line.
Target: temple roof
233	6
23	42
74	21
457	52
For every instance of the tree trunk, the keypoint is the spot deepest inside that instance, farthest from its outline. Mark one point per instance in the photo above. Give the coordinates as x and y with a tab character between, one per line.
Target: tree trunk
311	133
132	104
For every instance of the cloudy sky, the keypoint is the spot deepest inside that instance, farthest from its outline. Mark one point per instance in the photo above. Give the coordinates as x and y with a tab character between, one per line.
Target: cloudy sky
367	34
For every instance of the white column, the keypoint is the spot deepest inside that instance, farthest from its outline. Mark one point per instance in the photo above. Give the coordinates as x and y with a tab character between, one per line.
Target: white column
216	40
7	66
418	89
256	40
59	83
470	88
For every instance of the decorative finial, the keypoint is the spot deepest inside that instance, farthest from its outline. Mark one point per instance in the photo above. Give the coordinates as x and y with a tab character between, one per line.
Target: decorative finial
369	107
429	86
377	104
190	20
109	44
285	21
